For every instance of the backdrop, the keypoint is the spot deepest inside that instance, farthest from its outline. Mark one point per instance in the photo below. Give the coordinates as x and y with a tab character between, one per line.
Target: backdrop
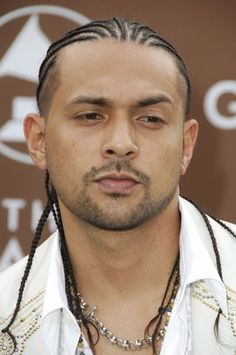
204	33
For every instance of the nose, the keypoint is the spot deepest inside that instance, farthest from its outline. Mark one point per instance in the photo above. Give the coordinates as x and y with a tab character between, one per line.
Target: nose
119	141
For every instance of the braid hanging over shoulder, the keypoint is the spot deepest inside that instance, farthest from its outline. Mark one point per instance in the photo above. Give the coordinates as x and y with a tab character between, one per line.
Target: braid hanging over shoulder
215	248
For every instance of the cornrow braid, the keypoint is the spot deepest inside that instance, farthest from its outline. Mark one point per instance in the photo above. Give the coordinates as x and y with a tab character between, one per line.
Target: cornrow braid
70	282
117	29
224	226
164	305
121	28
229	230
34	245
213	238
216	251
52	198
70	278
71	285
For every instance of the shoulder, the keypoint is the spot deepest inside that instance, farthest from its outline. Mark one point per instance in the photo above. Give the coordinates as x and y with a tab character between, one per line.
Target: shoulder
225	235
10	279
207	297
214	231
27	323
222	229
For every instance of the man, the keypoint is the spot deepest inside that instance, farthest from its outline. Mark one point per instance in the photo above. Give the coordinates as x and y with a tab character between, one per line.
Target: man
114	137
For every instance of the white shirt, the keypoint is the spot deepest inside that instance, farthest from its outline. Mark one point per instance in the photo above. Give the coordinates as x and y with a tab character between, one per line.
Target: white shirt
61	332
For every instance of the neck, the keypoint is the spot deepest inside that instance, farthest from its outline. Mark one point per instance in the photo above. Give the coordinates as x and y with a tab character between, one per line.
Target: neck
119	261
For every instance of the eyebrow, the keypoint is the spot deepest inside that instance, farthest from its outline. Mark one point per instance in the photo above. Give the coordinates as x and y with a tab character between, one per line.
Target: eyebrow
104	102
153	100
97	101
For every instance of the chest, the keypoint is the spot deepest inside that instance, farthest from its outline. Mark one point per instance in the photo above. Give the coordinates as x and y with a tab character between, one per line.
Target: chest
203	312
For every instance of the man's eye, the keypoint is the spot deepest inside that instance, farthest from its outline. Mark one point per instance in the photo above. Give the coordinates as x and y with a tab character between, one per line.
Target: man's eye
153	120
90	116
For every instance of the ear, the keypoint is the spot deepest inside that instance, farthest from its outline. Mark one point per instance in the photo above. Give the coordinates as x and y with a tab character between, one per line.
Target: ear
189	140
34	129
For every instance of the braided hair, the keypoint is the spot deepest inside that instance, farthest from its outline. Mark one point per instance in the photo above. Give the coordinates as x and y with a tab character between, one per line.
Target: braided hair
119	30
52	205
116	29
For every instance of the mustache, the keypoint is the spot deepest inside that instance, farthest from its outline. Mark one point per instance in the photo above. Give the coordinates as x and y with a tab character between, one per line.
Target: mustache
119	166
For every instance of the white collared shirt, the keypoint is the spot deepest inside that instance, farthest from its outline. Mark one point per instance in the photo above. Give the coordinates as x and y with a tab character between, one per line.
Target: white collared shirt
61	332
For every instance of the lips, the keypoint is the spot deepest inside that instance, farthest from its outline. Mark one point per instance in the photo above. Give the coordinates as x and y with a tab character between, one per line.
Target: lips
122	184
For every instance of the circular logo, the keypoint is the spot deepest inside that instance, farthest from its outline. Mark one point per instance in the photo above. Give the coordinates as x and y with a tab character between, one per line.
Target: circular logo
19	66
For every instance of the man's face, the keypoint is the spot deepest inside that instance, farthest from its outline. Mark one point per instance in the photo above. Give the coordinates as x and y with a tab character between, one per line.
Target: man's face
115	136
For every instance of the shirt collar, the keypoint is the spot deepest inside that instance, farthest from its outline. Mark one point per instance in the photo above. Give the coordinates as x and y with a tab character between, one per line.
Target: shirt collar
196	264
55	308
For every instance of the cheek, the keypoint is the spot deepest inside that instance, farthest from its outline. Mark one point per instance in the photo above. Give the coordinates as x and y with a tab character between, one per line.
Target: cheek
163	153
68	150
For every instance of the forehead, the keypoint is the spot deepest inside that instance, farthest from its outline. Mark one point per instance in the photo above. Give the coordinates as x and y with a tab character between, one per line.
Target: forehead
123	69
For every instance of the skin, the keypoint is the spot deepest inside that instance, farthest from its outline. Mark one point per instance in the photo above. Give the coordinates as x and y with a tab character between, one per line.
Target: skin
136	132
